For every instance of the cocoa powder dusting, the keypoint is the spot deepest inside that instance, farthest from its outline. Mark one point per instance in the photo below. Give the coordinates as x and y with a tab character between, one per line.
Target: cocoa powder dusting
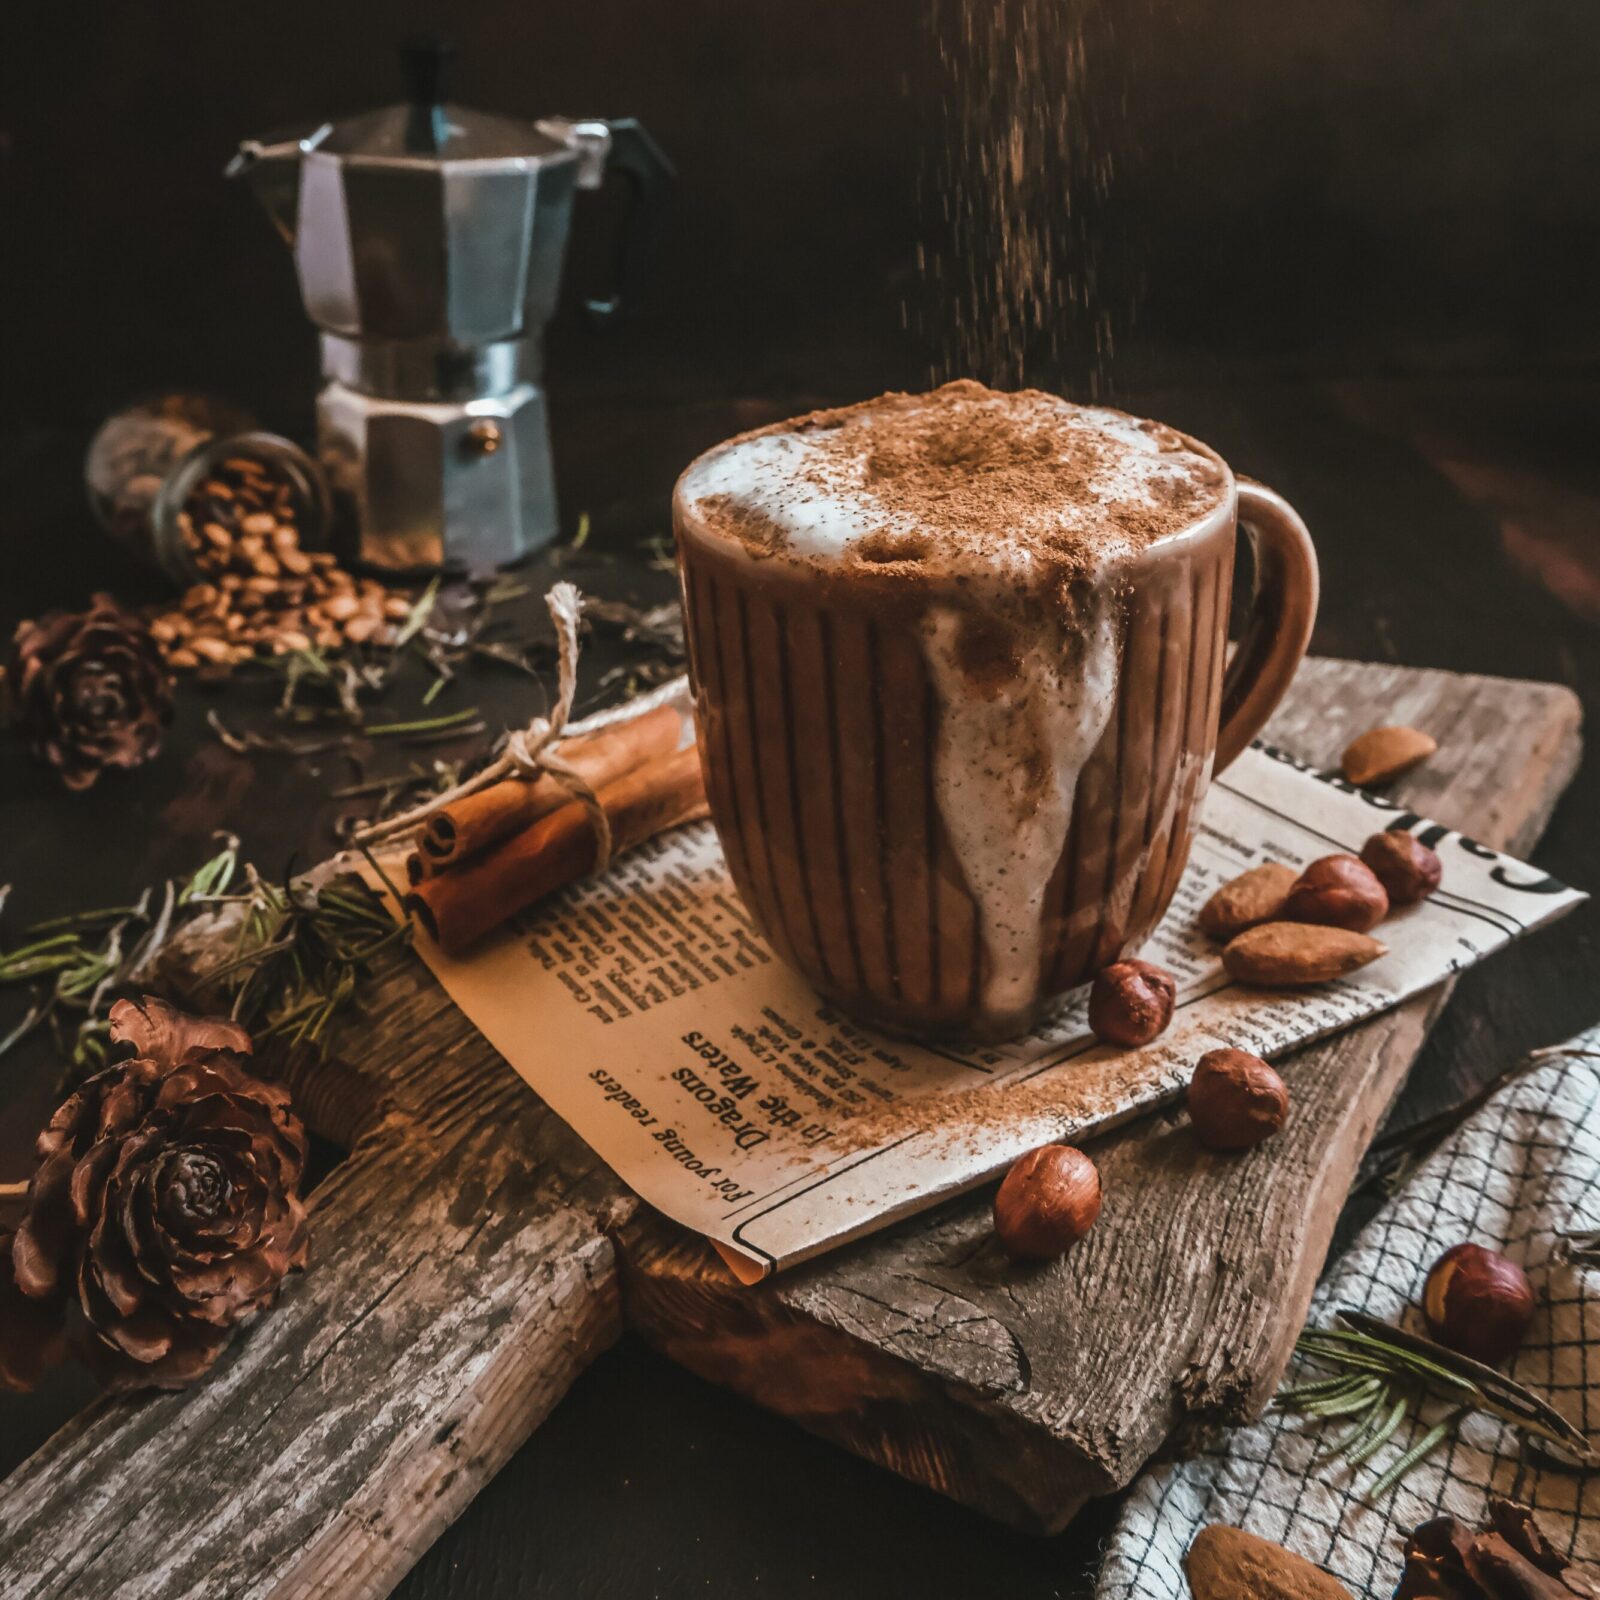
749	524
962	471
976	1116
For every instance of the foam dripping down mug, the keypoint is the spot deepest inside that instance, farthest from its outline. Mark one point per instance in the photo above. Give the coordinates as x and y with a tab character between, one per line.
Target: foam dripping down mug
960	669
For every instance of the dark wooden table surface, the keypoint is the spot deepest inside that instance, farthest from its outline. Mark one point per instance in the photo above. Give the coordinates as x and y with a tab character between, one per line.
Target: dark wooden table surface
1459	526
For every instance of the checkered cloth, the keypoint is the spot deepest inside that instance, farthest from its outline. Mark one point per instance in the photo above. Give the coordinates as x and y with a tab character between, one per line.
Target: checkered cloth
1524	1171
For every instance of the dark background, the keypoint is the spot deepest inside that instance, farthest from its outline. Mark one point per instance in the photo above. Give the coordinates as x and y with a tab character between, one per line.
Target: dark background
1353	246
1381	185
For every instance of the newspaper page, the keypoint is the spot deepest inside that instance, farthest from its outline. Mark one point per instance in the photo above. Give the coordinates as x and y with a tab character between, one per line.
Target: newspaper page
649	1013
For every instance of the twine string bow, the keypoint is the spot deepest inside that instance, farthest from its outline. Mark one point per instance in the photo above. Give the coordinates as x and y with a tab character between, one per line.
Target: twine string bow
532	751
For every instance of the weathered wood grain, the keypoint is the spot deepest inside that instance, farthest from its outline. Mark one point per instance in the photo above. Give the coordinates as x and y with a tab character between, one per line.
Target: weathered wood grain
1023	1392
460	1280
465	1270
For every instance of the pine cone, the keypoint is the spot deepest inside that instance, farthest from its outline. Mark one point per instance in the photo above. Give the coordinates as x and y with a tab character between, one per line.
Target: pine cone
30	1333
166	1198
88	691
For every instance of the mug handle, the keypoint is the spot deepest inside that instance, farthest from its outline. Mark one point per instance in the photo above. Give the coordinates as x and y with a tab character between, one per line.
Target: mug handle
1283	607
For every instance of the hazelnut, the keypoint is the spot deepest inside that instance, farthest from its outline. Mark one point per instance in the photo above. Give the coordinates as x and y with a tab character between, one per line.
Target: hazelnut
1130	1002
1337	892
1046	1203
1408	870
1235	1100
1478	1302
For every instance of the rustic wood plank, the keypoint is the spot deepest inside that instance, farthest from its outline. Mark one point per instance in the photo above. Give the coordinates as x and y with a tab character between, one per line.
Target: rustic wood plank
460	1280
464	1271
1024	1392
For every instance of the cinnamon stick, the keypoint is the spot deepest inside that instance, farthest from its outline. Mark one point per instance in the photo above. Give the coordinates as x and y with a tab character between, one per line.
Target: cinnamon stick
477	821
461	905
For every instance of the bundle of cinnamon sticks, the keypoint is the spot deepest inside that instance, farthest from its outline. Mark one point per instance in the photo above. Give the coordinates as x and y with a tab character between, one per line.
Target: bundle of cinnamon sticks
485	857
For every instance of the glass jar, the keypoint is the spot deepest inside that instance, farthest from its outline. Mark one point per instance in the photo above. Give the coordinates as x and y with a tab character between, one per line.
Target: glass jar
156	471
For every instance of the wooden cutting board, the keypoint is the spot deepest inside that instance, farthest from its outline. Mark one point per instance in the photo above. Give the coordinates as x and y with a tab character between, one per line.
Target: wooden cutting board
471	1257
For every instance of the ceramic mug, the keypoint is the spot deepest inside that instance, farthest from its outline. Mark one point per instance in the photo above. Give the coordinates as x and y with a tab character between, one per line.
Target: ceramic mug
818	720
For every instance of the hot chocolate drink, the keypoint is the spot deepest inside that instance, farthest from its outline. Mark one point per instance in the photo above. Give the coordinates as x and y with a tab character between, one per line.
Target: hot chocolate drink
958	664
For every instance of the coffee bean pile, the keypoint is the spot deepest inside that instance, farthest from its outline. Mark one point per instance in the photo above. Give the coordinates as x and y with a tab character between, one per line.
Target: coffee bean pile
262	594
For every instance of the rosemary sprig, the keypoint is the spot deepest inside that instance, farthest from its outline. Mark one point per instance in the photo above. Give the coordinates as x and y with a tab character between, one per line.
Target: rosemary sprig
417	616
339	676
1381	1374
88	957
324	693
275	744
453	719
1496	1393
299	956
1418	1453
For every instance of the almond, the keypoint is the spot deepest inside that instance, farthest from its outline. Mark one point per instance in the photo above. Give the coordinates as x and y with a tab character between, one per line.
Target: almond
1280	954
1227	1563
1384	753
1254	896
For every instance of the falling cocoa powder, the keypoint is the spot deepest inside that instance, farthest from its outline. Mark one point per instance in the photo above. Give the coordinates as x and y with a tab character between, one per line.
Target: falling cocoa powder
1014	185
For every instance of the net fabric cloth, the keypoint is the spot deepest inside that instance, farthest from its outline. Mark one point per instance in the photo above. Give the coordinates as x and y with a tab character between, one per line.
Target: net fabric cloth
1520	1174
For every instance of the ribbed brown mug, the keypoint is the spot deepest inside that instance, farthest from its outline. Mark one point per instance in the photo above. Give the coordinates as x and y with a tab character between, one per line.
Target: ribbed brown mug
817	725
